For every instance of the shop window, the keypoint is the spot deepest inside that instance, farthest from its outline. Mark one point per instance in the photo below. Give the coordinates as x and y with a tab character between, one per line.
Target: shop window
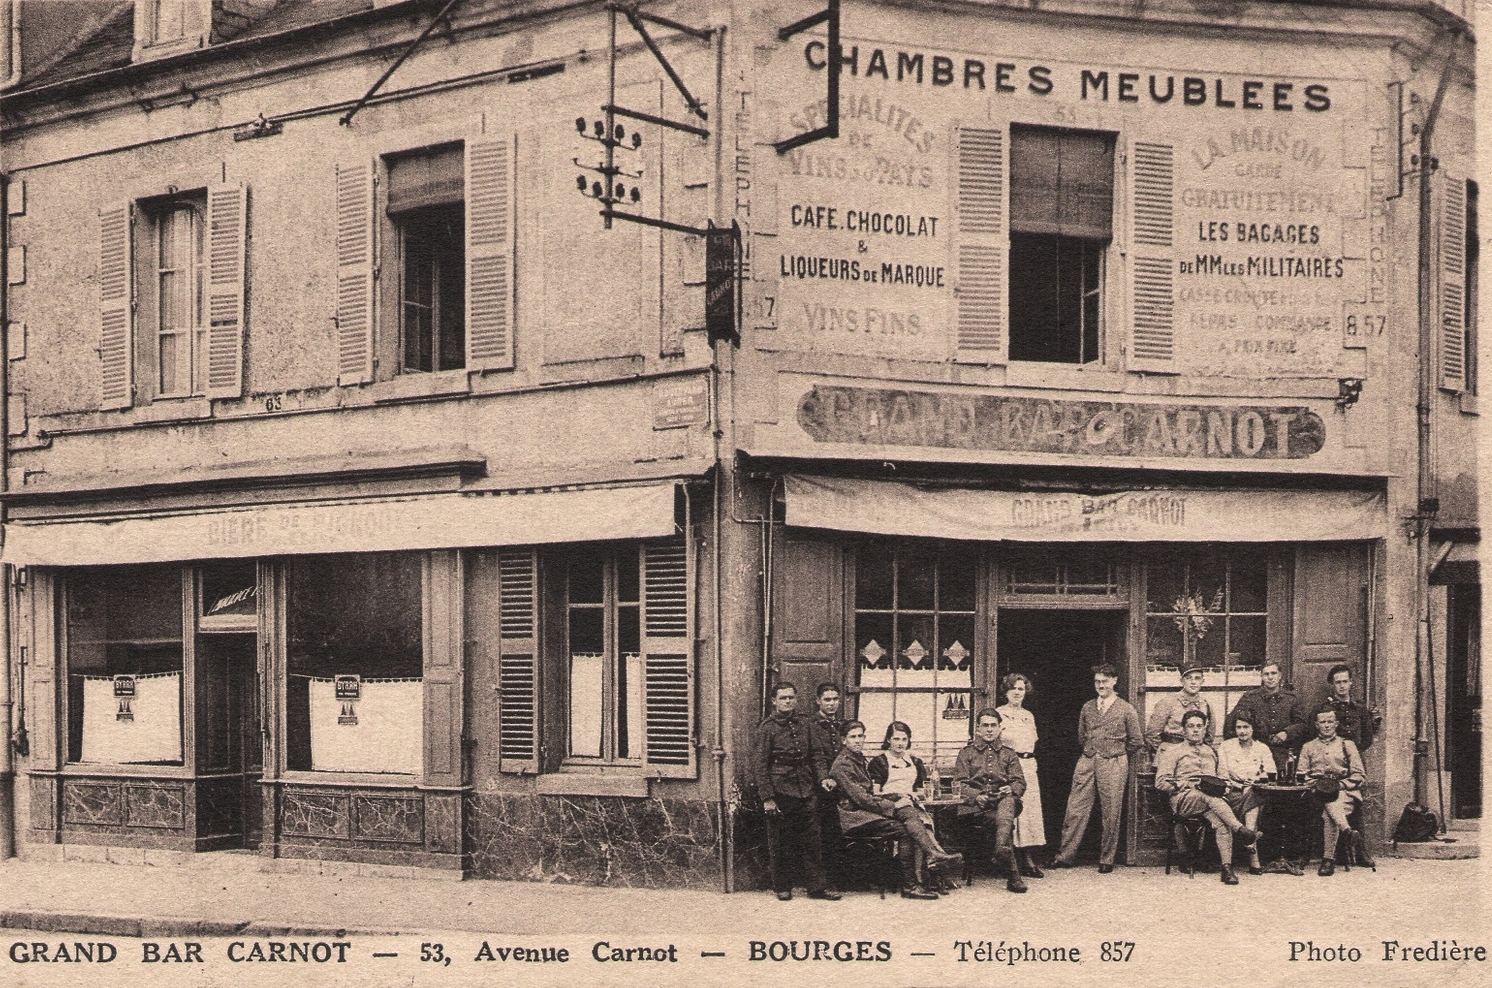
354	663
1208	606
914	642
125	665
426	204
1061	224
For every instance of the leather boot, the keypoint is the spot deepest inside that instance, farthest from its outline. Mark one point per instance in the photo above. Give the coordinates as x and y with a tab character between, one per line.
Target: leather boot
1229	878
1327	869
917	892
1013	880
1028	864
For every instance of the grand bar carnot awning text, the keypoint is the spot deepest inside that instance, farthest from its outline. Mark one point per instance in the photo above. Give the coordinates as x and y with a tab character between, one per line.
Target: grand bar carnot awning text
1156	515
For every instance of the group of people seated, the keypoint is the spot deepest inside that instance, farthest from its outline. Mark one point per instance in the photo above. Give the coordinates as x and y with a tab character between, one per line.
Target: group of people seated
1266	744
819	789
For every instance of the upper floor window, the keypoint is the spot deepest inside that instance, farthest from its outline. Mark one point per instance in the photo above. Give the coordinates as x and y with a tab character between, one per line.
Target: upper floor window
426	205
444	242
175	266
1061	224
164	27
1473	283
180	329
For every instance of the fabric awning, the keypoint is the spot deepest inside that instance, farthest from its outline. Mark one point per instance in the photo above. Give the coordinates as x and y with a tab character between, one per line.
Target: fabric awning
898	508
437	521
1460	565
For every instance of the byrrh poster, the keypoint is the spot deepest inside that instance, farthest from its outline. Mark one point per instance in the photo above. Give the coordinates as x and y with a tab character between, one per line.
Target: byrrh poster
655	493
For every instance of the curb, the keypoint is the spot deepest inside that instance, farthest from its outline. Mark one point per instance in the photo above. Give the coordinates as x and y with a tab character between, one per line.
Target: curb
170	927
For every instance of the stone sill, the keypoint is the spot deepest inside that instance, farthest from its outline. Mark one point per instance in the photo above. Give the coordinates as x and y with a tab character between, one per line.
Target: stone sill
592	784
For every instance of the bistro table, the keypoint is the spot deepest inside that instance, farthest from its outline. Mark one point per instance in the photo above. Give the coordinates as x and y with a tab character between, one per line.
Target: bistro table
1285	819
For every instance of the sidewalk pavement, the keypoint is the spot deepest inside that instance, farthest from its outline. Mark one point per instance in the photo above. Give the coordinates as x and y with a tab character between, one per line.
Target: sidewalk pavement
224	894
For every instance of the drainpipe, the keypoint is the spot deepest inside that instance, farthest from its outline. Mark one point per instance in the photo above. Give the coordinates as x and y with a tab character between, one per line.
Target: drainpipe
1425	505
723	477
7	754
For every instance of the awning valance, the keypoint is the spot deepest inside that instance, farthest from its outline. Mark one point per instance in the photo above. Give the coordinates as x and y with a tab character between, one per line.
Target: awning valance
898	508
437	521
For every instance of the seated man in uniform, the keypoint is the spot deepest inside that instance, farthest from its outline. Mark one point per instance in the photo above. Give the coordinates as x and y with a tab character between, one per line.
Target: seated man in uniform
1177	772
865	813
989	778
1335	759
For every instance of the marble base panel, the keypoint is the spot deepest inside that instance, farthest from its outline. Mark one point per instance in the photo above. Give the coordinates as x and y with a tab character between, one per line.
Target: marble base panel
364	824
594	840
171	813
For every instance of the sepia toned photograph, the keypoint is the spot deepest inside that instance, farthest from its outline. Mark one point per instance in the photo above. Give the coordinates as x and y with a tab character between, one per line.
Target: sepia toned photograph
862	492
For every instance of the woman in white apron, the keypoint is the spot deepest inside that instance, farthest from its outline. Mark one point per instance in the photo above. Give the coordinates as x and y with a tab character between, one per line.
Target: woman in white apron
1020	736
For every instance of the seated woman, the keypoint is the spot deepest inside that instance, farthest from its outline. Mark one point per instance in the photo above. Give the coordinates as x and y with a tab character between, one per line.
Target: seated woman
1335	759
896	771
1242	761
865	813
1178	771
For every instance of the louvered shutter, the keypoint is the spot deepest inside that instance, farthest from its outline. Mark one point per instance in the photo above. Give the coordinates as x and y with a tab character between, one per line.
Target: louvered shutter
983	242
1152	345
668	660
227	217
517	661
1452	297
116	338
355	273
489	253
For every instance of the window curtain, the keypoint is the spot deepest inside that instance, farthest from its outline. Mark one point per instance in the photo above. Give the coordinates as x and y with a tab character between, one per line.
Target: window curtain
154	735
1062	182
388	735
433	178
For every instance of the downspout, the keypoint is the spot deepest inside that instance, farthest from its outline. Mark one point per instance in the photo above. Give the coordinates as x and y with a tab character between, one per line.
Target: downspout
1425	481
7	753
723	809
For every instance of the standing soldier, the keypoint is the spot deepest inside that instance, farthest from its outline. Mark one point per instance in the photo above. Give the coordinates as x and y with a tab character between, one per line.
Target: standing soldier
1278	716
789	777
1164	729
1354	720
827	741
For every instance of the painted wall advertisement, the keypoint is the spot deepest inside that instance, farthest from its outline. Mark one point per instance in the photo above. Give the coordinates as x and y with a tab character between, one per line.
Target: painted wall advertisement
1277	265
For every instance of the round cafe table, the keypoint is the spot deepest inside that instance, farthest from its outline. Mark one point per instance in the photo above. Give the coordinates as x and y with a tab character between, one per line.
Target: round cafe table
1285	821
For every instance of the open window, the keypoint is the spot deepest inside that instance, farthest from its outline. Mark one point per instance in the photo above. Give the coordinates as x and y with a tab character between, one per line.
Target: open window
1061	225
426	204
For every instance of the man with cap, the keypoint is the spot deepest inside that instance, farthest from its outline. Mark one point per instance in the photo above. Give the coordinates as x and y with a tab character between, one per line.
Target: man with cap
1164	727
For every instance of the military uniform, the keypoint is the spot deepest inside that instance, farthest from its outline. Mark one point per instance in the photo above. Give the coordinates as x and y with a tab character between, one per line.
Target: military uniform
980	770
788	768
1165	724
1354	721
1271	713
827	741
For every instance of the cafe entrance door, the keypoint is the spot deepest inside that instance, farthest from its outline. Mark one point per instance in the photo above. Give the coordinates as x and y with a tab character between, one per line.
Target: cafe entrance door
1058	648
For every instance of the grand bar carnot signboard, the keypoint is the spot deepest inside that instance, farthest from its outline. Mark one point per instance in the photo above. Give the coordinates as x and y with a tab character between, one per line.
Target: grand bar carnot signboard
1276	264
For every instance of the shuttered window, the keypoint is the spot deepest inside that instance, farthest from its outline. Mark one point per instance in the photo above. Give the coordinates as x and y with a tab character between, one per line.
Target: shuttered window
227	215
979	207
489	254
354	249
116	306
517	662
1152	344
1452	295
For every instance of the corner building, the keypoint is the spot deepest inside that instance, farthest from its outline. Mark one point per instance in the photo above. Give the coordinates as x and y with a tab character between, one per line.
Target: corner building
368	500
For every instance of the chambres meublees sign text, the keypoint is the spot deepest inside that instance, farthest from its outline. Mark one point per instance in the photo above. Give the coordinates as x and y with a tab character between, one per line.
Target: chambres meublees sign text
883	416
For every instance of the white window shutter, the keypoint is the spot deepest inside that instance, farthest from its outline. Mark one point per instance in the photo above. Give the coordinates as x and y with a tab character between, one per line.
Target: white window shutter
982	246
1152	345
116	339
227	225
355	272
489	253
1452	297
668	660
517	661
